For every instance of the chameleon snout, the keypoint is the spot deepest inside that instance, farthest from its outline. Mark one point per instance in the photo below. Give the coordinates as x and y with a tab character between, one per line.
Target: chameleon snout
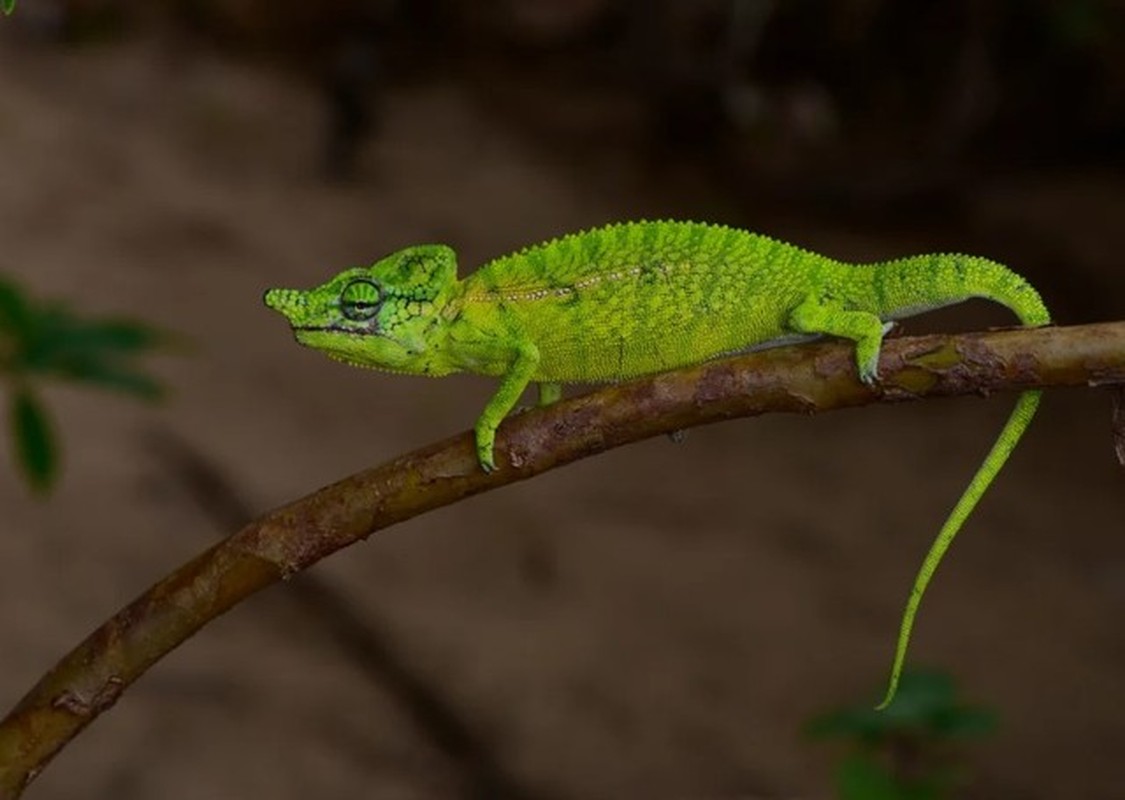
285	301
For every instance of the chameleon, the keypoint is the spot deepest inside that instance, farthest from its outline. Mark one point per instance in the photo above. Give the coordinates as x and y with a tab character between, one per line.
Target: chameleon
637	298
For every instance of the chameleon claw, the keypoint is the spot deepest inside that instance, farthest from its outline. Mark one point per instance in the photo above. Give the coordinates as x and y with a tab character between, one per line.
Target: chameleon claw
485	458
869	371
868	363
486	445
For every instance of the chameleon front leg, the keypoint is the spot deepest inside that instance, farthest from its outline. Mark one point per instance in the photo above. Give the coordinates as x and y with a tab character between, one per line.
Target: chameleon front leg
816	315
512	385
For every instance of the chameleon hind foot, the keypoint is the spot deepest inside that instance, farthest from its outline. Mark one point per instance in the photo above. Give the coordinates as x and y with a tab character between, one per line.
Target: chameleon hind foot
817	315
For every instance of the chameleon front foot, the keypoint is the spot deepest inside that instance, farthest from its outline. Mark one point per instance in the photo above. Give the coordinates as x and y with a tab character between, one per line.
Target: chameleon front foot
486	447
511	387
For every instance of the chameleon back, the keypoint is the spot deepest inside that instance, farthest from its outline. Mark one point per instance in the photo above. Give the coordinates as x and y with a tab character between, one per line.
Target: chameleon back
642	297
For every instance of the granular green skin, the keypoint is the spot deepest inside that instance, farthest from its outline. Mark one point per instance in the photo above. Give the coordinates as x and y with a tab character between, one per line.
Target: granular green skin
637	298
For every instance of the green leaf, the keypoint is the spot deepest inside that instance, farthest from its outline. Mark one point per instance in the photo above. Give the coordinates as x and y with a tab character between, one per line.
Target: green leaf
962	722
15	315
119	336
59	333
7	5
109	375
34	441
926	705
48	339
860	777
863	722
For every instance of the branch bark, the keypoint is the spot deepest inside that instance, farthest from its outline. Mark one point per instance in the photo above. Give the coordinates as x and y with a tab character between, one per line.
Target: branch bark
807	379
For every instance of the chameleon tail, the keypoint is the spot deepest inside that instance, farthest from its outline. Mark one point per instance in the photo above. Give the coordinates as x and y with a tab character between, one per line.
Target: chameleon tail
1009	436
915	284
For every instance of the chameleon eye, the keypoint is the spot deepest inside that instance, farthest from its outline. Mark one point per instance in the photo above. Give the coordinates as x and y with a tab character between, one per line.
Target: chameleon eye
360	300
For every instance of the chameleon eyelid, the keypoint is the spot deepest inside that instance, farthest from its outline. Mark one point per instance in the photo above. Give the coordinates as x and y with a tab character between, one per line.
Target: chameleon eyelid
360	309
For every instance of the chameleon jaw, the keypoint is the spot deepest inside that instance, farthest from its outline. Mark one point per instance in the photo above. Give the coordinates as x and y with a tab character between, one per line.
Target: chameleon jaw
354	347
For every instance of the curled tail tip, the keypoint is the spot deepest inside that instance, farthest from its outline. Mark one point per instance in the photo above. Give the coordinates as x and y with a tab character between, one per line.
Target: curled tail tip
901	646
892	690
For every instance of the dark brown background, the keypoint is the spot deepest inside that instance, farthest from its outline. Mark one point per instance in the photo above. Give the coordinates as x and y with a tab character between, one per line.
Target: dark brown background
657	622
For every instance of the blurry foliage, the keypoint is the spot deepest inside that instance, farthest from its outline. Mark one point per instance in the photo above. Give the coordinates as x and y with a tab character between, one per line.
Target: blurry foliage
954	75
43	341
7	5
1011	78
906	752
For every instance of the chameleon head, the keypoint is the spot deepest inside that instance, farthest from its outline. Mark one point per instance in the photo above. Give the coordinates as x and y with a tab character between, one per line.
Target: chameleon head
379	316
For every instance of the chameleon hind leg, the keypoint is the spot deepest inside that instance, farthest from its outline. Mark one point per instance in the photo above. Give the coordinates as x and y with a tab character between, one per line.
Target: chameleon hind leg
818	316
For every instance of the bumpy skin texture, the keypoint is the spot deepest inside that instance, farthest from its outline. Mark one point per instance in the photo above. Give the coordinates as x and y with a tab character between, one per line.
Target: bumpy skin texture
638	298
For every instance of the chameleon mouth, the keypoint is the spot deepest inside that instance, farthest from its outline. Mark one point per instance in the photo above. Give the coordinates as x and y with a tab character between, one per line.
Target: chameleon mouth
336	337
333	329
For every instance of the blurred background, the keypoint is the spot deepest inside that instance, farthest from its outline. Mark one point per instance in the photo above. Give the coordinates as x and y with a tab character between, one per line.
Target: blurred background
662	621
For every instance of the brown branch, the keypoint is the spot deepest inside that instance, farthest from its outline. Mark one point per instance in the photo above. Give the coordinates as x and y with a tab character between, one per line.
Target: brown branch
802	379
361	638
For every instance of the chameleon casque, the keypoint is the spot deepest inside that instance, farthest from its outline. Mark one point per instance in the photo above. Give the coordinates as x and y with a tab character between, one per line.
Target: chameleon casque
637	298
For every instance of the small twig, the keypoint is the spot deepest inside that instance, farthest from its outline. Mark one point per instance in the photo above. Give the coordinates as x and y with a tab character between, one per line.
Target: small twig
803	379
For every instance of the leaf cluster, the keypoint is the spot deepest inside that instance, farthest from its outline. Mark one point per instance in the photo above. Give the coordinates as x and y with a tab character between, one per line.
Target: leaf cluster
44	341
903	752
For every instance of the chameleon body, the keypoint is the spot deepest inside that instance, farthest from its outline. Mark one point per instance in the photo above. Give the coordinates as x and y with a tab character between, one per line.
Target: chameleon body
638	298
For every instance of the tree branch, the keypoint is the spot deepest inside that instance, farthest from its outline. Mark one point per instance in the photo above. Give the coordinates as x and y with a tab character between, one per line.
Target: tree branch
364	641
805	379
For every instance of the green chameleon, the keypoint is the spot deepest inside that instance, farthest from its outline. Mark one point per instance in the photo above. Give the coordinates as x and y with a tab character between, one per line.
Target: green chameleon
638	298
